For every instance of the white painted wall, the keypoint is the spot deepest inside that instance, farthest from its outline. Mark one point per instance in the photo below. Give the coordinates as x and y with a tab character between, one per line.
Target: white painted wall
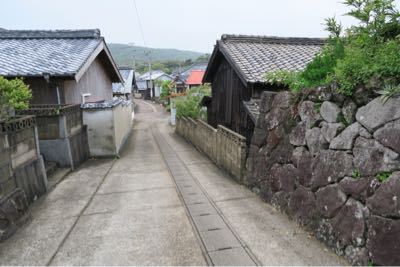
122	124
108	129
100	125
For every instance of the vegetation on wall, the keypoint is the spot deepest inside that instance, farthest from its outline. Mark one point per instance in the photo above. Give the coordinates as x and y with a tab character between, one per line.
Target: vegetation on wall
189	105
14	94
365	55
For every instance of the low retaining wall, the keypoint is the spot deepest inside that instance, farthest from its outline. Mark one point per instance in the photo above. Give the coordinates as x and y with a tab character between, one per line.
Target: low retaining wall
223	146
109	126
22	174
62	135
332	164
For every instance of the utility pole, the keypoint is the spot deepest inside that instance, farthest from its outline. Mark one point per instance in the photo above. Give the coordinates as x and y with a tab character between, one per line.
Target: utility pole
151	78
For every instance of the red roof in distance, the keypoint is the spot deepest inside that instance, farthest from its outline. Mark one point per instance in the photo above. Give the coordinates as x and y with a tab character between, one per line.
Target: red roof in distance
195	77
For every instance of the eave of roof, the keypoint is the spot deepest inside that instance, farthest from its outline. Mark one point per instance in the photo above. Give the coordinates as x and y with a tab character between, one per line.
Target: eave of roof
96	52
218	48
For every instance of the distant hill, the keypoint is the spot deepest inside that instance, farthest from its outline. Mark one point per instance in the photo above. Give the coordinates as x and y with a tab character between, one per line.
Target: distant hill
124	54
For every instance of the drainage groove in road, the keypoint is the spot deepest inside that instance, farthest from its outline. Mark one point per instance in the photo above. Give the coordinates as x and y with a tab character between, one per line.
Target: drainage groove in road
221	244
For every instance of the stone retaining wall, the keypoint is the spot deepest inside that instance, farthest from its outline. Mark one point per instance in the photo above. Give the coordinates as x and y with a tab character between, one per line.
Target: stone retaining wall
223	146
332	164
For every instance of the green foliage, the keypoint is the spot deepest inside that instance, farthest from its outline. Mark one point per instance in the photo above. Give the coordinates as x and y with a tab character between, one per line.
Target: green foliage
368	63
389	91
166	89
189	105
319	71
383	176
333	27
377	18
368	55
356	174
284	78
14	94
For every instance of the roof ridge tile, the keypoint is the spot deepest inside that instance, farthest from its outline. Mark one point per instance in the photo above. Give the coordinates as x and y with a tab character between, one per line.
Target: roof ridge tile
273	39
50	34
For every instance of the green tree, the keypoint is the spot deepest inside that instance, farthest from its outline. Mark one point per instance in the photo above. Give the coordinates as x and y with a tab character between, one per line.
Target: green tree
189	105
14	94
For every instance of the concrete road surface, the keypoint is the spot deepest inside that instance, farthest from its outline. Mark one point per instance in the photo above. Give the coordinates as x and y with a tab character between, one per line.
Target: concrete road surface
161	203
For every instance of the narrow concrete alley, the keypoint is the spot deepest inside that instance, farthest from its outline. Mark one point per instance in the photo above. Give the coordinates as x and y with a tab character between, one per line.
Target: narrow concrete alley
161	203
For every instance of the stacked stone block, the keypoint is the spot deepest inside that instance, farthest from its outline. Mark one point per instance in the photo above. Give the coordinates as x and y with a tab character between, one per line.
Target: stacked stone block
332	164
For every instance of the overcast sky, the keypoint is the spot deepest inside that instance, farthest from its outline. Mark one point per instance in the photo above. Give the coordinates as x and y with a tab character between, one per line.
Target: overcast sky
183	24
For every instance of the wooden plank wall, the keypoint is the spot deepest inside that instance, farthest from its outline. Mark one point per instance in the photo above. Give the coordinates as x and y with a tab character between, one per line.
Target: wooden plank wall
44	92
95	81
228	92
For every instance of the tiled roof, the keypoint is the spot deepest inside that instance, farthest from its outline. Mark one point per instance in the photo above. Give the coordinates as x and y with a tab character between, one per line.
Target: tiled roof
58	53
195	77
155	74
253	56
196	66
127	74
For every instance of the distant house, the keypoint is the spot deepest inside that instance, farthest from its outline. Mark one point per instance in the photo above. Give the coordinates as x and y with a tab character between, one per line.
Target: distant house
195	78
148	83
237	71
126	88
182	77
195	66
61	67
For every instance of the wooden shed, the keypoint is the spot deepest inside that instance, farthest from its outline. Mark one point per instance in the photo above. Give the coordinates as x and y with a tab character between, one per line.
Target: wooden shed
237	71
59	66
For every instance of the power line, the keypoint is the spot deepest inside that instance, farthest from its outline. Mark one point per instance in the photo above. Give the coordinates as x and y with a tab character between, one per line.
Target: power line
144	42
140	24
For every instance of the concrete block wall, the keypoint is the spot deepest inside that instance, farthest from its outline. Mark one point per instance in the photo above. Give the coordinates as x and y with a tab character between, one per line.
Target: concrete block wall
224	147
22	174
60	128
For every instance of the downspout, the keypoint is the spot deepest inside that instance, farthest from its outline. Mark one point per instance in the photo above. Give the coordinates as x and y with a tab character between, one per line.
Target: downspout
58	95
46	76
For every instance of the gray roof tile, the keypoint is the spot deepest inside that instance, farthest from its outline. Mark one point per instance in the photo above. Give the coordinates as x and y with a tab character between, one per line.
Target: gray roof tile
32	53
256	55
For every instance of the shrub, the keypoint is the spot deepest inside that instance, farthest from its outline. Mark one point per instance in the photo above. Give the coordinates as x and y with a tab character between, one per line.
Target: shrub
189	105
14	94
319	71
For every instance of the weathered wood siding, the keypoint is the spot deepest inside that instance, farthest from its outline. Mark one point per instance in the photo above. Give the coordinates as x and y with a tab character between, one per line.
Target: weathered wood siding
96	81
228	92
44	92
